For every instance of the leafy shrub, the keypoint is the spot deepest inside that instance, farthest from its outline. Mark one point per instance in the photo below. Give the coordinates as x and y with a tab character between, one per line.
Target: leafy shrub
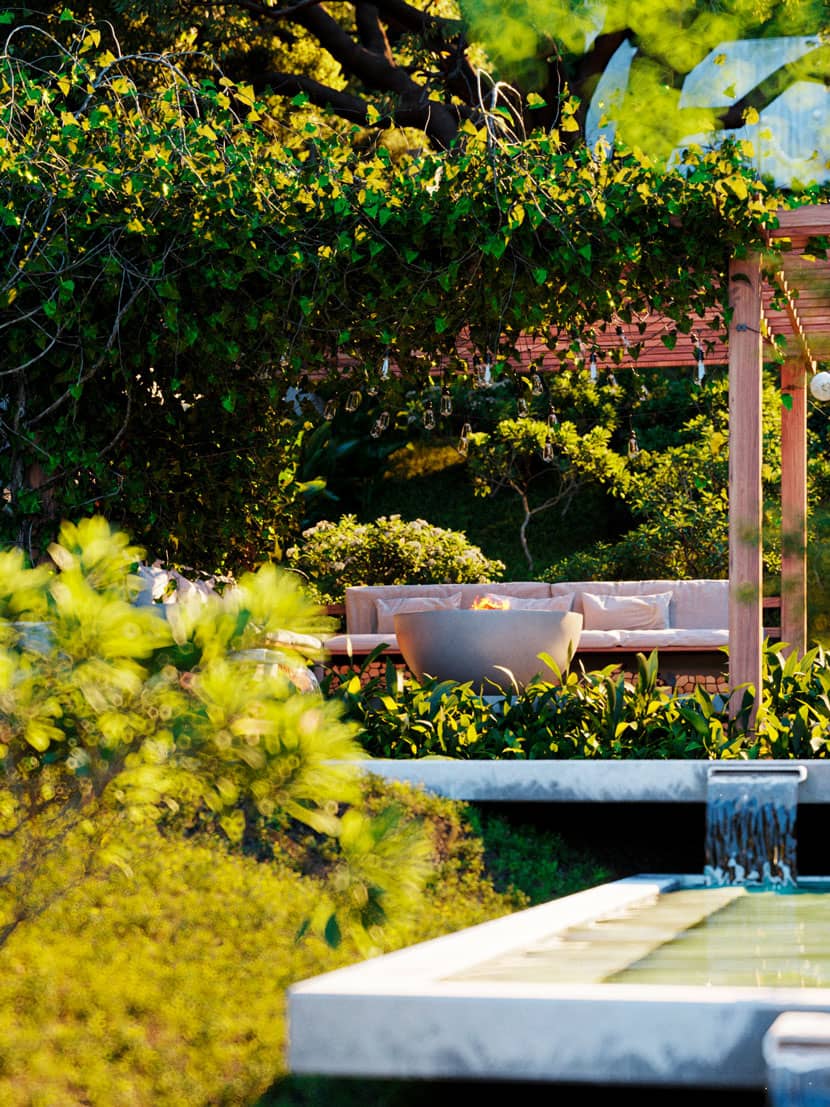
199	945
112	716
599	714
389	550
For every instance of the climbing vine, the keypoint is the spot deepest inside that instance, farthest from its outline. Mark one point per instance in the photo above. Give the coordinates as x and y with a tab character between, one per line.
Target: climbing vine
176	260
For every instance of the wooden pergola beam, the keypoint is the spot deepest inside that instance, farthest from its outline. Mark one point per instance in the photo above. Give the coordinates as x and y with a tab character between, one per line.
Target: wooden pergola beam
794	506
791	308
745	508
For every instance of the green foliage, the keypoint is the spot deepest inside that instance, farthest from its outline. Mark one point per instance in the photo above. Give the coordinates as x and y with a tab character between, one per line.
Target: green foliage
597	714
200	945
541	863
546	467
179	261
678	498
389	550
112	716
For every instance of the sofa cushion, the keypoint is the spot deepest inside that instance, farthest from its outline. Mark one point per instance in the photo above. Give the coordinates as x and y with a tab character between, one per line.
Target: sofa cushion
358	644
695	638
647	612
388	609
528	603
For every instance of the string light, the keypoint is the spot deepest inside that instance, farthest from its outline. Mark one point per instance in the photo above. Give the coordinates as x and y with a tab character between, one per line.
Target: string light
547	450
701	365
521	408
330	410
592	366
536	385
633	444
612	382
488	370
446	401
380	424
353	400
429	416
464	440
384	367
623	337
553	418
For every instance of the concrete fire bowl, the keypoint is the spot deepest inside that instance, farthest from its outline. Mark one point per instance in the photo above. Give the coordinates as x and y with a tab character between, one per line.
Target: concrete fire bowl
478	646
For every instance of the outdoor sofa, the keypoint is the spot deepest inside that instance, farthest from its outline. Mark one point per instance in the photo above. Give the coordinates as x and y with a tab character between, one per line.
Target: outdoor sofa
686	621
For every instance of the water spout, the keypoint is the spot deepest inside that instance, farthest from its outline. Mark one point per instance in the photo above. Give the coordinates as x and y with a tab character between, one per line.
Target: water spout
750	824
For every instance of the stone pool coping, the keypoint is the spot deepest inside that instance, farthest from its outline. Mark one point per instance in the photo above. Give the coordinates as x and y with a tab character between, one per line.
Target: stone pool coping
574	781
398	1016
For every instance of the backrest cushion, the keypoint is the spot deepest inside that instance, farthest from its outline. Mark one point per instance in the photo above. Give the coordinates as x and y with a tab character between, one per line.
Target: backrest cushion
388	609
647	612
361	600
528	603
696	604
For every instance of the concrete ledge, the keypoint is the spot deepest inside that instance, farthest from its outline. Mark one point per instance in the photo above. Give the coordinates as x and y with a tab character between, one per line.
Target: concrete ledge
421	1012
586	781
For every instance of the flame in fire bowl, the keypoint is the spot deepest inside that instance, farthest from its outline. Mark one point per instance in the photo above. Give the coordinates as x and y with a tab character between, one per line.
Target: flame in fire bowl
487	647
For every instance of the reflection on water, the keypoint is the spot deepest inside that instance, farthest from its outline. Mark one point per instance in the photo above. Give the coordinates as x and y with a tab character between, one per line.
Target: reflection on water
698	936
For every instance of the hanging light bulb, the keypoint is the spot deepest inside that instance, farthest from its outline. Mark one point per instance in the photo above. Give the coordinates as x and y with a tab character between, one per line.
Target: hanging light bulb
466	430
464	440
521	408
633	444
547	450
488	370
384	367
380	424
623	337
612	382
446	401
701	366
353	400
330	410
592	366
429	416
553	418
536	386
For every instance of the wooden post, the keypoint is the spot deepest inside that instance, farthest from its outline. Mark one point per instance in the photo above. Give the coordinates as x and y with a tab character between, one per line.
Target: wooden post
794	506
745	538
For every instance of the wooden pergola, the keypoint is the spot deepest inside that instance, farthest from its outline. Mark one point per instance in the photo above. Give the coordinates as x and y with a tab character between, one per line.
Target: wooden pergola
803	322
758	287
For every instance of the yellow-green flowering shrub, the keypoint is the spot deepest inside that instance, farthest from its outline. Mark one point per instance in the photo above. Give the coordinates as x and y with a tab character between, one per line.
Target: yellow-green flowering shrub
164	985
109	712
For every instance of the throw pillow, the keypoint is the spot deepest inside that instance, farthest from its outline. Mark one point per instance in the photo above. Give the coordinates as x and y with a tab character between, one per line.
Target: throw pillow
388	609
531	603
649	612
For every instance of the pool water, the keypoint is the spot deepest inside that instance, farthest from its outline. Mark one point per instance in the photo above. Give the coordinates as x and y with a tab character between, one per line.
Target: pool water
734	936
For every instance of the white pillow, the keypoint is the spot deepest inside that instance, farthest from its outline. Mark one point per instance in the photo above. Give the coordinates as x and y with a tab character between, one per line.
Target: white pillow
562	602
388	609
650	612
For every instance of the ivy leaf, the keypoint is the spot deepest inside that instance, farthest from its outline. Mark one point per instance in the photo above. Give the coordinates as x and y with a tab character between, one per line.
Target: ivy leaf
787	401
